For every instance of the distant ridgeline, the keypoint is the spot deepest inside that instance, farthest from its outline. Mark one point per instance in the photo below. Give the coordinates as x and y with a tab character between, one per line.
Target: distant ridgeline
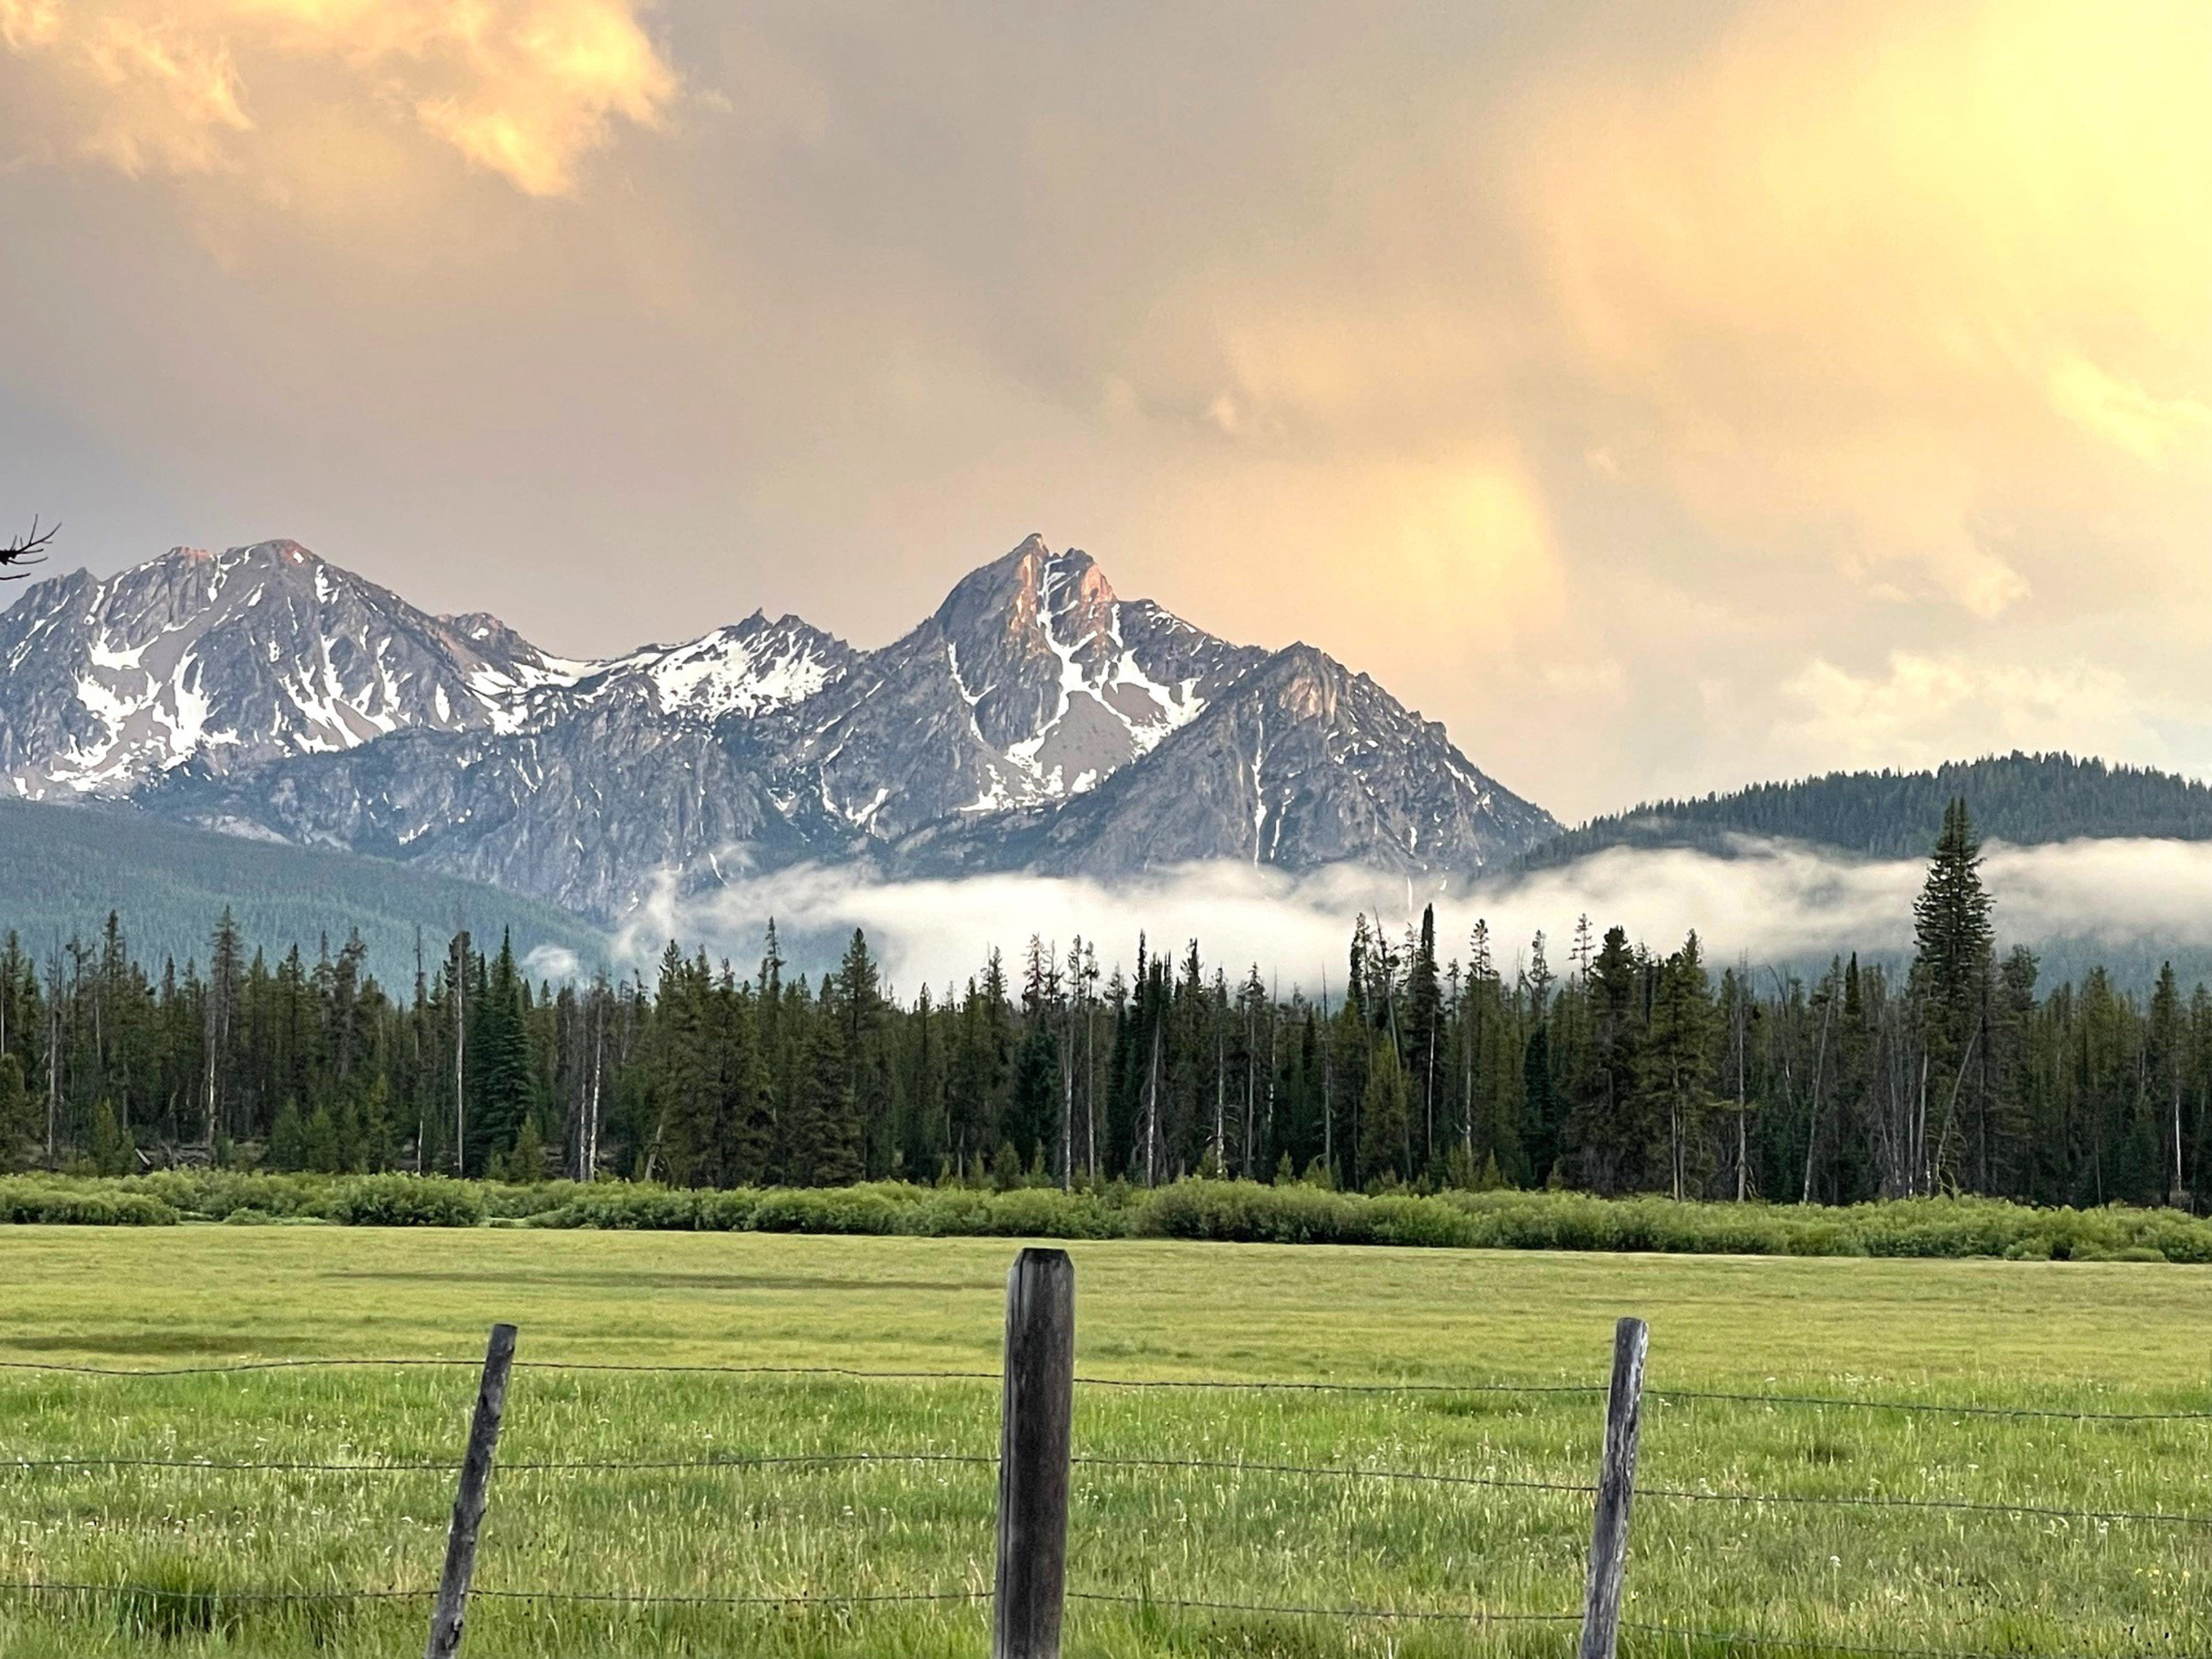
67	866
2025	799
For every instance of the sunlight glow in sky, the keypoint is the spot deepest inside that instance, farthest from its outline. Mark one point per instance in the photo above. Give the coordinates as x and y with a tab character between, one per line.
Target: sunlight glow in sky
1661	395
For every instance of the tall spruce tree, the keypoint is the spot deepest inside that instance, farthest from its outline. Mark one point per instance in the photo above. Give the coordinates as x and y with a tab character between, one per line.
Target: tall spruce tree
1953	945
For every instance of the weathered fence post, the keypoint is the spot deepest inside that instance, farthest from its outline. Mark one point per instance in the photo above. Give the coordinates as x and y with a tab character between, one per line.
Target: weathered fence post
451	1610
1033	1456
1616	1486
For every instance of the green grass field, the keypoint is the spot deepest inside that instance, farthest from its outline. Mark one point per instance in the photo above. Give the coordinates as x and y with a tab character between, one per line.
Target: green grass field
2109	1338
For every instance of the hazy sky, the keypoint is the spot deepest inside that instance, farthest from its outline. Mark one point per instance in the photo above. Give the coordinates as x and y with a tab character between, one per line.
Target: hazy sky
1661	395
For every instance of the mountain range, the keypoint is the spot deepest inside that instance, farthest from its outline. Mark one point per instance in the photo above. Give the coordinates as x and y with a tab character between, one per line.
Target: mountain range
1034	721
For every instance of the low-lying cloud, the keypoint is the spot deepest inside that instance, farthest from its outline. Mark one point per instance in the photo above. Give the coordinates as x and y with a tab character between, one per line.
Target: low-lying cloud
1770	901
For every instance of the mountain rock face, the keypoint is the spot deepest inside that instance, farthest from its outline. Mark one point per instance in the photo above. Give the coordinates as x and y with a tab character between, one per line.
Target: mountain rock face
234	661
1035	720
1299	763
1029	684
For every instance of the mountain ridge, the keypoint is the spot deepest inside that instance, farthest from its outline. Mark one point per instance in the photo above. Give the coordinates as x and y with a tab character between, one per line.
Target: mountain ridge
1033	719
2024	797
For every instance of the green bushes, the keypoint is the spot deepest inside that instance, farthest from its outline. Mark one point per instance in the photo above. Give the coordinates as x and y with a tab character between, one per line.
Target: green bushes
1240	1211
51	1201
878	1207
215	1194
398	1201
1507	1220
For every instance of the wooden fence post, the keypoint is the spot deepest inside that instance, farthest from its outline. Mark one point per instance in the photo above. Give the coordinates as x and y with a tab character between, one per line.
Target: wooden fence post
1033	1456
1616	1487
451	1610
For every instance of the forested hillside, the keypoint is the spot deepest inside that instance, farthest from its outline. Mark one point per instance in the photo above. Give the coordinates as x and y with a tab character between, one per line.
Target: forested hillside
1626	1069
67	866
2026	799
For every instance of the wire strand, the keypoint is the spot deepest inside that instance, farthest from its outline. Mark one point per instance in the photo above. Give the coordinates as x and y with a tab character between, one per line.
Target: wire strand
1336	1472
602	1597
1874	1501
522	1466
1671	1396
1219	1465
1349	1471
162	1591
1470	1616
1665	1396
1231	1383
628	1598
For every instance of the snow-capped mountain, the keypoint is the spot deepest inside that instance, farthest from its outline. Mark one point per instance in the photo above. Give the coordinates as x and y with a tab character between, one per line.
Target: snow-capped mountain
753	667
1032	683
1035	720
233	659
230	660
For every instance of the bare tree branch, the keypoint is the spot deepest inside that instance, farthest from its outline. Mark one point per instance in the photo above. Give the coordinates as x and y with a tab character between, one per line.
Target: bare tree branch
27	549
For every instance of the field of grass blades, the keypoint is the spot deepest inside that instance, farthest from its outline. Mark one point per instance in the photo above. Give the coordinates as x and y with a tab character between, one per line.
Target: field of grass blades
731	1512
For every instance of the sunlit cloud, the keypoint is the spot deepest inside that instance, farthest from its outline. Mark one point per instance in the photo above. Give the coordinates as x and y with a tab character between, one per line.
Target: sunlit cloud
1924	708
523	88
1872	282
2149	428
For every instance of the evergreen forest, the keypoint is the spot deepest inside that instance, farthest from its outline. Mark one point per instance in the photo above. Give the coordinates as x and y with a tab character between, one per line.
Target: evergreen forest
1601	1064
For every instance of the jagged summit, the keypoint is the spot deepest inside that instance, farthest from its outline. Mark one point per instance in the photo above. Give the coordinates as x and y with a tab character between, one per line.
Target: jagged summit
1299	763
231	660
1029	685
1033	719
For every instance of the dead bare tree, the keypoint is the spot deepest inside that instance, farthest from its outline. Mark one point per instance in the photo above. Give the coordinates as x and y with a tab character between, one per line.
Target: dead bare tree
25	550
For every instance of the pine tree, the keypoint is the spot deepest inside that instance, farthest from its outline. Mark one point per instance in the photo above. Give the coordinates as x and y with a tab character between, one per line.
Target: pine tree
1385	1125
822	1146
525	1164
860	1000
320	1145
1676	1059
1422	1033
288	1138
377	1149
110	1146
19	1116
1954	941
223	989
1033	1115
499	1061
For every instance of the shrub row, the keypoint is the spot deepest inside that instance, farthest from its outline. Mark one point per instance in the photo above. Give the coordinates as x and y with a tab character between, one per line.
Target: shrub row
1952	1227
46	1201
880	1207
1197	1209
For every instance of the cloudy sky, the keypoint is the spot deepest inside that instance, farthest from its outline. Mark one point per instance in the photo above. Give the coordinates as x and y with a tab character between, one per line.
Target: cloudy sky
1661	394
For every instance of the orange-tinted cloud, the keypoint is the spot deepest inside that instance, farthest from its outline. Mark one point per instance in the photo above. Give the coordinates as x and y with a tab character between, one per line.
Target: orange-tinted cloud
525	88
1880	276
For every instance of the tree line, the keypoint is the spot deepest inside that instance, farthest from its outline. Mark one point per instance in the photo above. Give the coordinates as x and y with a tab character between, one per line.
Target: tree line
1623	1069
2020	798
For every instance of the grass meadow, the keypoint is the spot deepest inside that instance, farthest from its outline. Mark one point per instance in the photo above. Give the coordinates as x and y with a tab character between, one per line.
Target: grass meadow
1763	1578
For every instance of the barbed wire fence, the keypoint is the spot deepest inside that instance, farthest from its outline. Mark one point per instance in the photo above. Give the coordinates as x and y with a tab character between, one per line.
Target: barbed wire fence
1035	1465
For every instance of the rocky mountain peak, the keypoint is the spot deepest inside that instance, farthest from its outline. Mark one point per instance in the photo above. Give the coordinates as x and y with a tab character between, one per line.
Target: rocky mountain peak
1035	720
1305	682
231	660
281	552
1030	588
